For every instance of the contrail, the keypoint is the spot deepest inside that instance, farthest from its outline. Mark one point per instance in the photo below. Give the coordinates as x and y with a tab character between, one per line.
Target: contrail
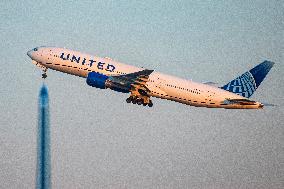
43	142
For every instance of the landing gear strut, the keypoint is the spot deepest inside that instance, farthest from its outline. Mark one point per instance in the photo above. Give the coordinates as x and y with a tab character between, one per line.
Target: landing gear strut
145	100
44	75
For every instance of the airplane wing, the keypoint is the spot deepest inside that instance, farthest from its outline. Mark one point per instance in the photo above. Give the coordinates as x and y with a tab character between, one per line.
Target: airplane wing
136	75
136	81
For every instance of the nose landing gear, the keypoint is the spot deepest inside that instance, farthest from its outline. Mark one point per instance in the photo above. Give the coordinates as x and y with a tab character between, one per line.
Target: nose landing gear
44	75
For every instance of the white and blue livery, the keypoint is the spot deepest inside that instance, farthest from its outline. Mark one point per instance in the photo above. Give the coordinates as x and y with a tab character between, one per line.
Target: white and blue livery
142	84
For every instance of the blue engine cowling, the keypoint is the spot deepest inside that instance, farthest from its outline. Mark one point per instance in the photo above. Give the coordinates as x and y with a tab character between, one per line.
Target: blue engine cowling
101	81
97	80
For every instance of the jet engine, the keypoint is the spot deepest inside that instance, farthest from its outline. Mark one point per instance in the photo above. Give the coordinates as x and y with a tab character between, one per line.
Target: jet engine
101	81
97	80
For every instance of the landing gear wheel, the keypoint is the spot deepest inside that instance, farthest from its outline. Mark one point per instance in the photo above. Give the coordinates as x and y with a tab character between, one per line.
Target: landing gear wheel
44	75
140	101
134	100
150	104
128	100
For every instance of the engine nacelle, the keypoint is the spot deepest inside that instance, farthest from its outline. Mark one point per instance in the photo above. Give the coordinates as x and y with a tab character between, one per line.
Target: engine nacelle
101	81
97	80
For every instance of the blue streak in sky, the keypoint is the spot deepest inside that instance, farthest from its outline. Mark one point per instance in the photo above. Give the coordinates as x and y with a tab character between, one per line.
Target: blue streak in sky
43	148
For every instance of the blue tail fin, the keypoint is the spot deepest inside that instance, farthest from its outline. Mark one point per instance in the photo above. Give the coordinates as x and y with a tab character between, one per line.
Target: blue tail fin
246	84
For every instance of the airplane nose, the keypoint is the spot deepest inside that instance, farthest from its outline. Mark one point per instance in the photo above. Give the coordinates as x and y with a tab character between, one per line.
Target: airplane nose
29	53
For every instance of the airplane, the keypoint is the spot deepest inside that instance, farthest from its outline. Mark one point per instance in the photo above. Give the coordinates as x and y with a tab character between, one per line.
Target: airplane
142	84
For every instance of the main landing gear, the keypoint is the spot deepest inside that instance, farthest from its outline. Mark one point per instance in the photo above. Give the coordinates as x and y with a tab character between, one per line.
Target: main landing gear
140	100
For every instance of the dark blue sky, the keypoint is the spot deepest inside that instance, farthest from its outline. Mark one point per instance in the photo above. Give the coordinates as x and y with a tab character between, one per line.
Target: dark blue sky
99	141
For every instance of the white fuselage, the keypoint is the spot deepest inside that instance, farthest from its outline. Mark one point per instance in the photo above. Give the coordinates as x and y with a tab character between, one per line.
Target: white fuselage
161	85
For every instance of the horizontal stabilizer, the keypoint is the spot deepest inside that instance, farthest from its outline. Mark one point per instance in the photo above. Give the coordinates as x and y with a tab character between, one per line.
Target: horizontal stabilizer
239	101
210	83
246	84
268	104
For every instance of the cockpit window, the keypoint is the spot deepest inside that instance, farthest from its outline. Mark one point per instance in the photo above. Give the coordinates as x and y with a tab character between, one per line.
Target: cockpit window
35	49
